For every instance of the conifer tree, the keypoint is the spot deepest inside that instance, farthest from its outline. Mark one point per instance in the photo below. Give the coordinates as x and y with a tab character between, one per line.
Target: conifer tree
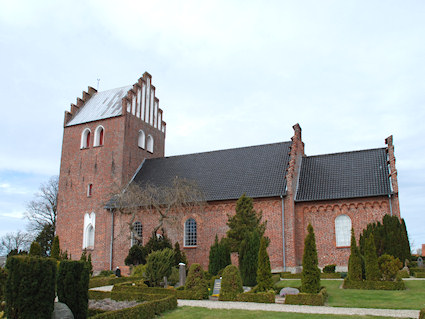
355	261
243	222
371	260
310	276
264	273
179	256
55	248
35	249
248	258
214	257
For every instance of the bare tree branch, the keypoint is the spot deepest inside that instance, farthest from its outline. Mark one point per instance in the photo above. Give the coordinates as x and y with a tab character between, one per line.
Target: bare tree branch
19	241
181	196
42	210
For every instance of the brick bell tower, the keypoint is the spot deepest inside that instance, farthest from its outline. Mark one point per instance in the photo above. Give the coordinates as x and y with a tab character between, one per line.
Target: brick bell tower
107	135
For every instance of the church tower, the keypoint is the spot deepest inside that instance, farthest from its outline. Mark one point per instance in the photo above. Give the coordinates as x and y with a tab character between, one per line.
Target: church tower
107	135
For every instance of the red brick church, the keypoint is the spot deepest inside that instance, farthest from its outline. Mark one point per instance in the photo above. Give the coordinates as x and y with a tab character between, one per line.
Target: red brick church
116	137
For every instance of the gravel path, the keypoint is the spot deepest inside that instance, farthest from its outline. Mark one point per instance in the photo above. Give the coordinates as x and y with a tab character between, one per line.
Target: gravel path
301	309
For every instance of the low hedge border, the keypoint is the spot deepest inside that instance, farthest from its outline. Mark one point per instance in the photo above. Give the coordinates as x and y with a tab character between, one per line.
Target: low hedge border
145	310
419	274
416	269
106	281
335	275
143	294
262	297
374	285
308	299
133	285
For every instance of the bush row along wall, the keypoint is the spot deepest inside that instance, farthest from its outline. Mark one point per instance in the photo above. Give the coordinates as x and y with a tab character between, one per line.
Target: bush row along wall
374	285
288	275
107	281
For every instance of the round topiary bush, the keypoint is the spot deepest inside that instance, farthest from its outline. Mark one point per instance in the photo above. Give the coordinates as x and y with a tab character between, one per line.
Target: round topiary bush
231	283
196	282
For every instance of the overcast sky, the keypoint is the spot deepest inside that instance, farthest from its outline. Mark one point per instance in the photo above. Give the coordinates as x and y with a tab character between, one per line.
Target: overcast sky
227	74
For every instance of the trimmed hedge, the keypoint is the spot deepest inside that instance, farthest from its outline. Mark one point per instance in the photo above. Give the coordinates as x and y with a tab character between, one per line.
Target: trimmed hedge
307	299
288	275
187	294
374	285
262	297
130	285
125	295
145	310
275	278
73	285
419	274
30	287
100	281
329	269
416	269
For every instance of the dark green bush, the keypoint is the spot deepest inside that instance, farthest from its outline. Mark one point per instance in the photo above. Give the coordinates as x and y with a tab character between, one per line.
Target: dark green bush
105	273
196	282
414	270
403	274
143	311
55	252
310	276
264	273
329	269
262	297
248	258
422	314
158	265
231	283
35	249
371	260
136	256
30	287
179	256
134	285
99	281
355	271
158	243
374	285
307	299
73	285
419	274
219	256
3	278
275	278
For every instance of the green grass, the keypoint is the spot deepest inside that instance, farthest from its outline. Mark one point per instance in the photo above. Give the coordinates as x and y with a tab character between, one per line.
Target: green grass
197	312
411	298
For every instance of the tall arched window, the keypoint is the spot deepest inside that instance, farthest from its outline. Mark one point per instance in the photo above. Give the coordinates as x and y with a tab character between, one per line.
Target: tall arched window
142	139
85	138
98	136
89	229
90	237
190	234
149	143
343	231
138	229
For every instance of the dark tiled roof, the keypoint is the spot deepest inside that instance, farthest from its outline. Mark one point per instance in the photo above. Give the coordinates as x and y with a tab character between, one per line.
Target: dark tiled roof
344	175
258	171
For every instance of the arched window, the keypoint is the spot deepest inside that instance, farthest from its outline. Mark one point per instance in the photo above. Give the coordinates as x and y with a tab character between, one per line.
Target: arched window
190	234
142	139
98	136
149	143
89	237
85	138
138	229
343	231
89	229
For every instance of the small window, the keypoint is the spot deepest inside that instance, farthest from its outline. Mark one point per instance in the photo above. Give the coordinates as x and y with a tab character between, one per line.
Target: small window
142	139
98	136
343	231
138	229
149	143
190	234
85	138
89	237
89	190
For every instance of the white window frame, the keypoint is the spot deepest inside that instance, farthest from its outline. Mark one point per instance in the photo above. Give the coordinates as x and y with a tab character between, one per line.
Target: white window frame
190	233
89	231
133	240
149	143
141	141
97	136
84	134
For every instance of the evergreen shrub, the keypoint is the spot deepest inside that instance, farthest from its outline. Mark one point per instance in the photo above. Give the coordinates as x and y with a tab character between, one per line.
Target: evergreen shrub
371	260
136	256
419	274
422	314
30	287
196	283
329	269
158	265
219	256
55	252
138	271
156	243
3	278
231	284
262	297
264	273
35	249
73	285
310	276
355	271
179	256
248	258
403	274
275	278
389	267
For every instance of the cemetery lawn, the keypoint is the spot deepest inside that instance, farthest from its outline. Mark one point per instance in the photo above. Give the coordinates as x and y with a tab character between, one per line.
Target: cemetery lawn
197	312
411	298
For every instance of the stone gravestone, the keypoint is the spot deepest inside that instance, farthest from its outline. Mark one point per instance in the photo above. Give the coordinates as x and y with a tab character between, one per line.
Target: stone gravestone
182	274
420	262
217	287
288	291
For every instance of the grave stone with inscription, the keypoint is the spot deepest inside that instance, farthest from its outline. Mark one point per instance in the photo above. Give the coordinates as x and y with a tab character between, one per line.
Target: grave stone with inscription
420	262
217	288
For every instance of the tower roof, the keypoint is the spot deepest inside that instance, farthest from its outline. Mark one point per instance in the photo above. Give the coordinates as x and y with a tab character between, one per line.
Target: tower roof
101	105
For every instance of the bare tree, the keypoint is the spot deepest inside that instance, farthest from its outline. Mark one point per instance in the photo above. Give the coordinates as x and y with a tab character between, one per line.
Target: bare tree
19	241
181	196
42	210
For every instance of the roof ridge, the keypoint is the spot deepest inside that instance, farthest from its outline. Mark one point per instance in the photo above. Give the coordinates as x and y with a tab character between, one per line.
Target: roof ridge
346	152
223	150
